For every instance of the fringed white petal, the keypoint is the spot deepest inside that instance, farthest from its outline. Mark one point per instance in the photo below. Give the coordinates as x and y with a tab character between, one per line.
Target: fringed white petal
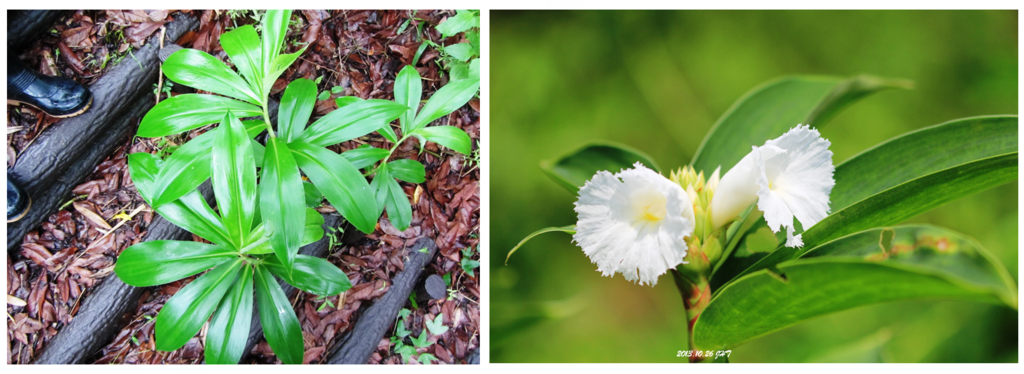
789	177
634	222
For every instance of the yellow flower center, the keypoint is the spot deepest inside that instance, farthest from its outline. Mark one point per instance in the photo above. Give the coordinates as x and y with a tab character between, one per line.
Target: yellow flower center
650	206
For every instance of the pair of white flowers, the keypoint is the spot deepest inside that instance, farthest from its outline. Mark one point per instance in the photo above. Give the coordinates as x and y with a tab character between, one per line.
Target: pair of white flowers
635	222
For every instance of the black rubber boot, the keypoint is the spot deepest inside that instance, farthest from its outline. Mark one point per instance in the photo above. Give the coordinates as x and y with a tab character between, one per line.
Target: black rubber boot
17	202
58	97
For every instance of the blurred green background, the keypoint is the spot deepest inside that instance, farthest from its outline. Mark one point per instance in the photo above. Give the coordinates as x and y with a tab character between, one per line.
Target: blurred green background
657	80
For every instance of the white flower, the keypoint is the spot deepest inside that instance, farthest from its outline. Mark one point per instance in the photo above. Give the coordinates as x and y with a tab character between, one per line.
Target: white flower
633	223
788	177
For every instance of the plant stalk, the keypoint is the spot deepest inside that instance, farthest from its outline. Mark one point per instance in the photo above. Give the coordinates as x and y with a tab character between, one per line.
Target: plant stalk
696	293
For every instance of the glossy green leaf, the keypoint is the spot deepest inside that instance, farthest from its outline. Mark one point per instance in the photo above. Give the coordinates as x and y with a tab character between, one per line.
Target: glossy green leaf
339	181
234	178
186	312
229	328
312	195
448	136
411	171
190	212
312	274
198	69
185	169
771	109
185	112
257	243
571	230
296	106
870	267
280	325
408	91
365	156
242	45
394	199
448	99
902	202
920	153
156	262
352	121
281	63
275	27
573	170
282	210
189	166
346	100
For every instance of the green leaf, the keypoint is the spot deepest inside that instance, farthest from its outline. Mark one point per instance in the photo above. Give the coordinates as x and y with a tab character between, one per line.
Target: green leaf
280	325
281	63
312	274
474	69
421	341
234	178
190	212
185	169
771	109
391	197
275	27
229	328
342	184
571	230
280	203
296	106
180	319
311	232
573	170
157	262
460	51
411	171
919	153
185	112
870	267
425	358
436	326
190	165
463	20
346	100
243	47
448	99
409	92
448	136
198	69
458	70
352	121
365	156
313	196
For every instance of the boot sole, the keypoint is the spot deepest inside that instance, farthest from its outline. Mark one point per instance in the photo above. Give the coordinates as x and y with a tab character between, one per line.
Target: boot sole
80	111
22	214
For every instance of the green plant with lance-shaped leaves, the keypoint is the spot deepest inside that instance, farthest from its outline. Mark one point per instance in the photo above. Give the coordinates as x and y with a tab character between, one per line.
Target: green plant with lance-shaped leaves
740	281
263	221
240	258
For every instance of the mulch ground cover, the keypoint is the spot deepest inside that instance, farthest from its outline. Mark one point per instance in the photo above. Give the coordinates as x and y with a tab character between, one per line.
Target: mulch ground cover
359	51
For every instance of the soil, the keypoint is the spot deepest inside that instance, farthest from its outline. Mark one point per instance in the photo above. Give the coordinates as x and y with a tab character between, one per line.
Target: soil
360	51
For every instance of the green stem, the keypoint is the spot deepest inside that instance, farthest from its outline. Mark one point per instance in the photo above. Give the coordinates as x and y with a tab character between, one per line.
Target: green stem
696	295
391	152
266	118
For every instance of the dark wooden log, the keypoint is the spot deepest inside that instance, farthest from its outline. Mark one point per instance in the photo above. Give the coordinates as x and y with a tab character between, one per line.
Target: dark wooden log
358	345
431	288
44	168
101	315
23	26
320	249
